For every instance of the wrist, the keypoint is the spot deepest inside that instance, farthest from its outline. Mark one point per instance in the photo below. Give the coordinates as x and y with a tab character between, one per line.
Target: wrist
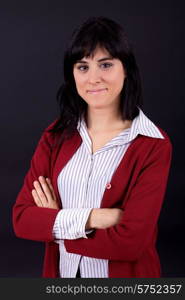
90	221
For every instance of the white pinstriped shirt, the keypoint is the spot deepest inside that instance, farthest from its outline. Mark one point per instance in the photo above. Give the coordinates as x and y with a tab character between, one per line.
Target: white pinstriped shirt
81	185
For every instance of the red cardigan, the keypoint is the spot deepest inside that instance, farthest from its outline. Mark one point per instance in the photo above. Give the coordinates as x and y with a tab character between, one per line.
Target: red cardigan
137	186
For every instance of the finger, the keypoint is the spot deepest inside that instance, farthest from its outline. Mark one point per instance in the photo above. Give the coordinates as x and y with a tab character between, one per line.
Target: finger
40	193
51	188
46	188
49	183
36	198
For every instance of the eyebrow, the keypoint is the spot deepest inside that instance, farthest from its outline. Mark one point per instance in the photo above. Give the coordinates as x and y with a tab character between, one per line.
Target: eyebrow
99	60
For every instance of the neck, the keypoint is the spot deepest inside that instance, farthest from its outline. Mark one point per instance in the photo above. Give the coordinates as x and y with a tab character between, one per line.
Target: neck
103	120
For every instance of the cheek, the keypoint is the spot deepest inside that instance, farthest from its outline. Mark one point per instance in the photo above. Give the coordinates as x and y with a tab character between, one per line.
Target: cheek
116	81
79	80
121	78
80	88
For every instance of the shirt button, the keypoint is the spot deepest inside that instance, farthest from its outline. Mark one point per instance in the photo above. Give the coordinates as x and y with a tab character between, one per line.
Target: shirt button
108	186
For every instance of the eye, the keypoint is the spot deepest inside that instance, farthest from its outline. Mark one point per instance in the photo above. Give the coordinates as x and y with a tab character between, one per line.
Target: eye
106	65
82	68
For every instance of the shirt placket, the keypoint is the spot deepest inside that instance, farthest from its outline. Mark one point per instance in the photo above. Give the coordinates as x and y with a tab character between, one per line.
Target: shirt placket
89	176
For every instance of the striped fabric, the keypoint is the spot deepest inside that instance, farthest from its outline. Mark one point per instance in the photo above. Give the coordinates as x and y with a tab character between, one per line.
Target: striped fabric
81	185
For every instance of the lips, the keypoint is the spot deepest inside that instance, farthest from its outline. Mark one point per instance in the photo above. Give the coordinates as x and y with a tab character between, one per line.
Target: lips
96	91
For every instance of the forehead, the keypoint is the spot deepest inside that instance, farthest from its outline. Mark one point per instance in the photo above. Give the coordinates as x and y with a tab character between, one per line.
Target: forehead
97	54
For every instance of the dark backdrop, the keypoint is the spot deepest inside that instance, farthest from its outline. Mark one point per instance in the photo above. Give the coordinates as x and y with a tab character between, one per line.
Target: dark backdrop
32	40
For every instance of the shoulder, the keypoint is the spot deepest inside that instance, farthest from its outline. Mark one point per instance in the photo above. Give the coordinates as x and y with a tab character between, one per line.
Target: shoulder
146	147
166	142
149	140
48	137
55	137
51	125
165	135
152	151
149	132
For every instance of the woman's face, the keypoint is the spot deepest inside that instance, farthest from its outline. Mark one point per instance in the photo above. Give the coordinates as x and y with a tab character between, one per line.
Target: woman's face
99	79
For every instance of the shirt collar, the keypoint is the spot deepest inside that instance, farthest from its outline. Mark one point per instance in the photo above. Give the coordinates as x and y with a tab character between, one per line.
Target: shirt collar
144	126
140	125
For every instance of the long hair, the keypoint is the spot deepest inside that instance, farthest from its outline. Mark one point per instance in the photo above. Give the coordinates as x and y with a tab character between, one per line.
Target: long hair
106	33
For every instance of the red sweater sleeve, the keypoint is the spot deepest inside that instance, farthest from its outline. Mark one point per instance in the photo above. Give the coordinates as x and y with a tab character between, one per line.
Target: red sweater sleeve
29	221
128	239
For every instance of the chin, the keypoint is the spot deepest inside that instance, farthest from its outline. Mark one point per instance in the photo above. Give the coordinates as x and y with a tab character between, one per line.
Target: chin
97	105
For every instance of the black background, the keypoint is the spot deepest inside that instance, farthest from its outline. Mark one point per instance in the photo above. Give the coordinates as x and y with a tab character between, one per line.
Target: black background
33	36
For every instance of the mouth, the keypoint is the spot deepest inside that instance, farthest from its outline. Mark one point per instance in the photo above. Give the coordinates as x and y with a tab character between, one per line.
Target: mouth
96	91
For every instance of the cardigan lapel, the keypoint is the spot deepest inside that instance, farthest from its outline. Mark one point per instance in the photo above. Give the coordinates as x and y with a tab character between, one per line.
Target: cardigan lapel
123	177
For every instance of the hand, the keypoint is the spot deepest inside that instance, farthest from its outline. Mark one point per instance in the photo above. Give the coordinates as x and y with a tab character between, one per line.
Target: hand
102	218
43	194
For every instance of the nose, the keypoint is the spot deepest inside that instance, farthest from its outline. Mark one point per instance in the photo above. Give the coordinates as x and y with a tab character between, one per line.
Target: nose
94	76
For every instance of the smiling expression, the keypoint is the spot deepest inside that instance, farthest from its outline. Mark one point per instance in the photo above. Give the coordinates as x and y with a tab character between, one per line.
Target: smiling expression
99	79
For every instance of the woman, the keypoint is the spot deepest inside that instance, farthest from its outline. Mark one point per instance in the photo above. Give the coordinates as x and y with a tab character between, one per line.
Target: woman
98	176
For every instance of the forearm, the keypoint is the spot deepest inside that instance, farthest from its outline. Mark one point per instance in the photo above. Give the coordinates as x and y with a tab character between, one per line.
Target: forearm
34	223
102	218
70	223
